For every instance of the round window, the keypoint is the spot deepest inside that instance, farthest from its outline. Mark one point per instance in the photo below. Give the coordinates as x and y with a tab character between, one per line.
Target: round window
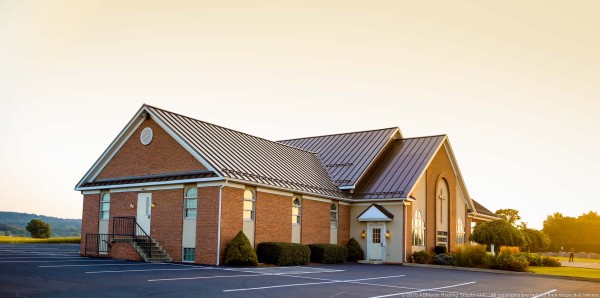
146	136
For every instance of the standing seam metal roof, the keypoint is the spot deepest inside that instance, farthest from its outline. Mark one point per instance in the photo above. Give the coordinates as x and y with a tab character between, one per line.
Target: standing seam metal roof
396	172
241	156
346	156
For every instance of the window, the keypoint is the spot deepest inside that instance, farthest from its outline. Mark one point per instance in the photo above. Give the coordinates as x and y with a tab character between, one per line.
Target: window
460	232
249	205
334	215
296	213
191	202
189	254
418	232
104	206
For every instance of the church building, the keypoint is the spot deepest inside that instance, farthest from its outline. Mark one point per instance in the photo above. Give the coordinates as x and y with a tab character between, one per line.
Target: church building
174	188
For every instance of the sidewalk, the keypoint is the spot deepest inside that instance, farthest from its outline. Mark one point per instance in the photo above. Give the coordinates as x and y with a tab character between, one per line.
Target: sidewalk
591	265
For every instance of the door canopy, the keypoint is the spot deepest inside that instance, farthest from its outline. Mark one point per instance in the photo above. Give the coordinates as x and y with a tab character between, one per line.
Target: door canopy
376	212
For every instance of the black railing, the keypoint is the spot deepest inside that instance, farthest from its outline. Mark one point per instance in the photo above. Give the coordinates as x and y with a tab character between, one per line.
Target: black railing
127	227
97	243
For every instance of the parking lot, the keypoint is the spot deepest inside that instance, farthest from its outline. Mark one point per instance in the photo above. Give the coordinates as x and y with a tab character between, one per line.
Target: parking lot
59	271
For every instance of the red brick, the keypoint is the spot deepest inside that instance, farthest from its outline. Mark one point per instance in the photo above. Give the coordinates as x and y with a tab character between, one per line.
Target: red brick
90	217
124	251
273	218
206	225
316	225
166	222
232	216
343	224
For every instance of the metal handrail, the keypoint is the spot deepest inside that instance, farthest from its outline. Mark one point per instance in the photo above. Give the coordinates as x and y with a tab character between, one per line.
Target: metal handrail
127	226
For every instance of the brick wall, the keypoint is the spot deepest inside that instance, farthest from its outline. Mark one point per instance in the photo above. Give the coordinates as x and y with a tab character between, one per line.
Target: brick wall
343	224
232	218
316	224
206	225
408	230
135	159
89	217
440	168
166	222
124	251
119	206
273	218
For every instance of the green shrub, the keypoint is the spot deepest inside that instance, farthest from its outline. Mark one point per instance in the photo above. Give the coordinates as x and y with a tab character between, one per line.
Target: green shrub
550	262
422	257
240	252
355	252
469	255
512	250
283	253
533	259
507	261
440	249
328	253
444	259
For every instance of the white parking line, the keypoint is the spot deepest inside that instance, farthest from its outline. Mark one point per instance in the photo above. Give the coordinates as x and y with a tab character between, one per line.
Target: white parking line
145	270
424	290
312	283
79	265
80	260
49	257
205	277
544	294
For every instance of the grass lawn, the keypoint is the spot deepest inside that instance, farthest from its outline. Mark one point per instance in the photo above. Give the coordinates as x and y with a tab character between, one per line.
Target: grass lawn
566	271
566	259
8	239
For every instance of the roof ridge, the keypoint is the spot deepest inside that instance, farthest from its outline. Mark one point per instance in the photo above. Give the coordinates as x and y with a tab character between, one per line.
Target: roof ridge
237	131
342	133
441	135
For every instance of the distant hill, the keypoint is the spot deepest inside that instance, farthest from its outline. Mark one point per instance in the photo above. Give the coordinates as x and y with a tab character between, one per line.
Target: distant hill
14	223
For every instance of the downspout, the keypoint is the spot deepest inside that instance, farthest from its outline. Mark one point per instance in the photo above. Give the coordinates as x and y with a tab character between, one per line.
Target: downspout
219	223
404	231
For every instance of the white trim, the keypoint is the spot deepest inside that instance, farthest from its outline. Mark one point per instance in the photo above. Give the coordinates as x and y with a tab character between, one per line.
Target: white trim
90	192
382	204
209	183
236	185
344	203
181	142
159	187
373	214
149	184
316	199
481	216
397	130
346	187
382	200
272	191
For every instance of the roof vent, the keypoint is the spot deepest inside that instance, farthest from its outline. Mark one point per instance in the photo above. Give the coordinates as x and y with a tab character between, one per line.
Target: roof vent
146	136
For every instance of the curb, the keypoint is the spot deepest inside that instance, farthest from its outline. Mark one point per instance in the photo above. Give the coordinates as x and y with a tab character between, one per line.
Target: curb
592	279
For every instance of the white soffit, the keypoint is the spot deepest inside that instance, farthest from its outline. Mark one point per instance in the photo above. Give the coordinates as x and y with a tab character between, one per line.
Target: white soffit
373	214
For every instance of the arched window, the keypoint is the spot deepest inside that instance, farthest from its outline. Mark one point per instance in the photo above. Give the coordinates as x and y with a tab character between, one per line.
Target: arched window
334	215
191	202
460	232
418	232
105	206
249	205
296	213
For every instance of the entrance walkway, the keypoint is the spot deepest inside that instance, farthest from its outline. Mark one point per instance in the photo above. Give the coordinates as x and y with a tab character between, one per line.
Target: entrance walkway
592	265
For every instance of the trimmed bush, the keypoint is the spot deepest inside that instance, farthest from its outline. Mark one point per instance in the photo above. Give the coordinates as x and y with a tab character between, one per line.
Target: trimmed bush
440	249
533	259
471	255
422	257
506	261
444	259
512	250
283	253
240	252
550	262
328	253
355	252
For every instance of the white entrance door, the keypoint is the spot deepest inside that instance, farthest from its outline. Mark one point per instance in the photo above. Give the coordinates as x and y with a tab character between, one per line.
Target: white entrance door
144	208
376	242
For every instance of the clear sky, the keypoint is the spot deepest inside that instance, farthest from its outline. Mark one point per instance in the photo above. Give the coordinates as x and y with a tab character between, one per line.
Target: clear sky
515	85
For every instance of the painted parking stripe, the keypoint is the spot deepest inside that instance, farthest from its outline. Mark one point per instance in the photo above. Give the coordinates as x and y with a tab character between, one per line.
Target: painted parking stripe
544	294
93	265
311	283
48	257
55	261
206	277
146	270
424	290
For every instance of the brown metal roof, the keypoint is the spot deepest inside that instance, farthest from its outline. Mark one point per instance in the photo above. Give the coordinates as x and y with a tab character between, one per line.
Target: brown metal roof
482	210
245	157
395	173
151	178
346	156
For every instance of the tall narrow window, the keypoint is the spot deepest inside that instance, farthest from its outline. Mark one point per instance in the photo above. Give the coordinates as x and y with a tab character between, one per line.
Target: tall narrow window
418	232
191	202
460	232
296	213
249	205
334	215
105	206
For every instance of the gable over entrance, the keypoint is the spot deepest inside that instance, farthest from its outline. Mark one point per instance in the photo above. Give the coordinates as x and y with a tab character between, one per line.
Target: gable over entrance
376	212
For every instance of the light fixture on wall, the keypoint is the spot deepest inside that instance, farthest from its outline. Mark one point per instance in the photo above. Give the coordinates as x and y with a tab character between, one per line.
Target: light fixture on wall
363	234
388	234
153	205
131	205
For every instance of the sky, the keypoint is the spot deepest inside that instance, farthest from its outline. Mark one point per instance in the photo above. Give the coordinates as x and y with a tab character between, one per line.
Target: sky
514	84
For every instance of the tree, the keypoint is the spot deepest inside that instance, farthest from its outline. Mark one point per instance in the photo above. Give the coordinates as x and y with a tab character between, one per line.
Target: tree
38	228
535	240
240	252
498	232
510	215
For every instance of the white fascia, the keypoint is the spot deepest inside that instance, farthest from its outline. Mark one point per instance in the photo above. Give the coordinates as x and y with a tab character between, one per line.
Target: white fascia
197	180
